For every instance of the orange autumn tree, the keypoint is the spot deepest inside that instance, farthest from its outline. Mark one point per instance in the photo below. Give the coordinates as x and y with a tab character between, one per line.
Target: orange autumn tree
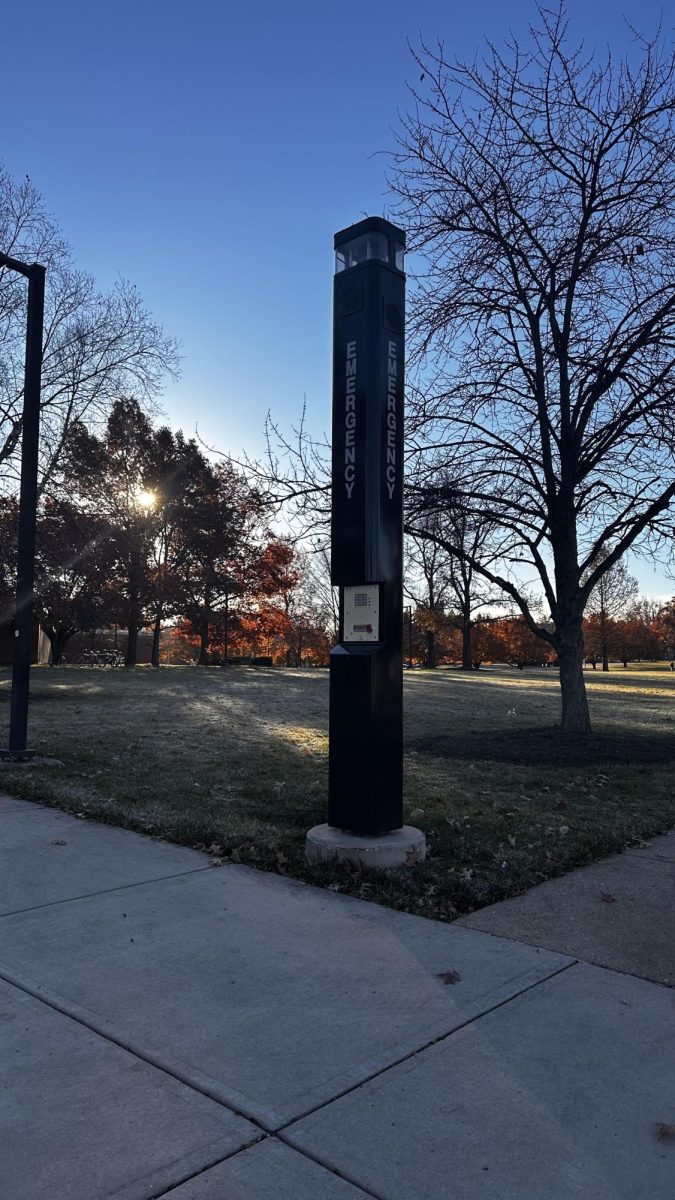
258	613
521	647
288	621
639	634
264	624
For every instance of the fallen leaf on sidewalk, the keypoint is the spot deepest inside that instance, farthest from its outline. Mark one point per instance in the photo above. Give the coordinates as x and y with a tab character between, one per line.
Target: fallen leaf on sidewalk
449	976
59	842
608	897
665	1133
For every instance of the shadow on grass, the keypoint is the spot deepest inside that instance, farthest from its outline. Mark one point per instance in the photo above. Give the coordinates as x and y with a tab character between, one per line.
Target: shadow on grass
549	745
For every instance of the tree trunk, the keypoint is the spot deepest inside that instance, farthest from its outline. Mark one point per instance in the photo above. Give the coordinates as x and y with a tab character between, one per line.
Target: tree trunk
605	659
157	629
431	648
57	641
569	610
467	656
203	660
570	647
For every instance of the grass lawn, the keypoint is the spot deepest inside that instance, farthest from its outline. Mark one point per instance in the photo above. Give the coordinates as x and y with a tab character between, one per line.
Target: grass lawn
235	762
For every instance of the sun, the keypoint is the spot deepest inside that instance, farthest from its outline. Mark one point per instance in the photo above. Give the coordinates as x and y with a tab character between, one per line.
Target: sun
145	499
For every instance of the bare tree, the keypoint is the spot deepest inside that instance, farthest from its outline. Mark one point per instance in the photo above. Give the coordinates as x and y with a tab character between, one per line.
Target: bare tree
451	582
294	476
612	595
316	567
97	346
539	186
310	605
426	582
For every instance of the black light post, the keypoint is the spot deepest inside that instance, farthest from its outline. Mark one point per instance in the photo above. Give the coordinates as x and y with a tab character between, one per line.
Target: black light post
23	619
365	777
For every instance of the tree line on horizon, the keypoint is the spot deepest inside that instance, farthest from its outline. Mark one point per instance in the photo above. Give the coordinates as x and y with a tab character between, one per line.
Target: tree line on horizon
645	633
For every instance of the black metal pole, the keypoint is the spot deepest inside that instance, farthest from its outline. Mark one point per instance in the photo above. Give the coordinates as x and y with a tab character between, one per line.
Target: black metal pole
23	621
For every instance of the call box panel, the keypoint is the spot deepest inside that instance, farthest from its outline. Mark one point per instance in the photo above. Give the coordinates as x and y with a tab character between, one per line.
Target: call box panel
361	613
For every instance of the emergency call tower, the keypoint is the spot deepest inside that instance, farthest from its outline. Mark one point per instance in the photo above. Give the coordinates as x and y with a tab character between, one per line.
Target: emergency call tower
365	802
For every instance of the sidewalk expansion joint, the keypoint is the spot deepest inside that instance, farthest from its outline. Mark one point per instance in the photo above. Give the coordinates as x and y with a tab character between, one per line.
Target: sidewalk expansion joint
441	1037
327	1166
166	1195
209	1167
122	887
198	1082
102	1029
184	1078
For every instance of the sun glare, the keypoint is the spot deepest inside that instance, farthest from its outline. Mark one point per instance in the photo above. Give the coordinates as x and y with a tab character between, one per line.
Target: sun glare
145	499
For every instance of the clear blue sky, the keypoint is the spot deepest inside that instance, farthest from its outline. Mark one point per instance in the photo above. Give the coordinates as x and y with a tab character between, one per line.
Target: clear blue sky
208	151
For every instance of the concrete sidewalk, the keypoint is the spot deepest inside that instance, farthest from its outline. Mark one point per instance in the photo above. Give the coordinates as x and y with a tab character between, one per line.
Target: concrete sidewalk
168	1028
619	913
